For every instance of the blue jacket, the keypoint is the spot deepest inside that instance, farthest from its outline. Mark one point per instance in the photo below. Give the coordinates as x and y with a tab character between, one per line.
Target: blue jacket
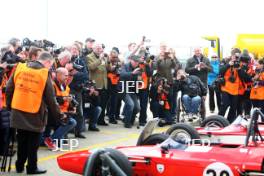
215	72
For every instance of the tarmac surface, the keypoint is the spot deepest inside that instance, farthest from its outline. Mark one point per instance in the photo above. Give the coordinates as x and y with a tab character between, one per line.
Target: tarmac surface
109	136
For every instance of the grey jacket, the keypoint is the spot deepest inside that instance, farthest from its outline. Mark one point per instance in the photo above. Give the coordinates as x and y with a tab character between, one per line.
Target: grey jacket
35	122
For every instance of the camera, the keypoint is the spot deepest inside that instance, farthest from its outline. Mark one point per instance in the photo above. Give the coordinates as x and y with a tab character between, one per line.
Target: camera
232	78
77	66
236	64
164	83
11	59
74	102
87	85
118	68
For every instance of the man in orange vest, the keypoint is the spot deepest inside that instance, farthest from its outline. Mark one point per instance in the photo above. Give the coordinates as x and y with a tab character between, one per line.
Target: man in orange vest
235	76
29	93
62	92
257	91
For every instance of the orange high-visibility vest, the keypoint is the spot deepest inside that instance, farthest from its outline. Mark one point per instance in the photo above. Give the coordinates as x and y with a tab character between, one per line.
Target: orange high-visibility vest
3	86
257	92
29	86
65	106
229	87
144	77
114	78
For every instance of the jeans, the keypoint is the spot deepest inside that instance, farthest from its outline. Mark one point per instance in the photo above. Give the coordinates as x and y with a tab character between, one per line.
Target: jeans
131	108
93	113
62	130
158	111
143	98
191	104
79	112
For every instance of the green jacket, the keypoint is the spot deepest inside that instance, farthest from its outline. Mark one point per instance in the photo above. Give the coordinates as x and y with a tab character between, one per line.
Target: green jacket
97	71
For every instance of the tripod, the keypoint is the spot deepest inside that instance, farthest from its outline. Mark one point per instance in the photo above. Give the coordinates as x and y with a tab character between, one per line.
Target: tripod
8	150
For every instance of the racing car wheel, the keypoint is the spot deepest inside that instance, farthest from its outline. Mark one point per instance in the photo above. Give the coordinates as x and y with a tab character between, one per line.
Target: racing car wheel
95	165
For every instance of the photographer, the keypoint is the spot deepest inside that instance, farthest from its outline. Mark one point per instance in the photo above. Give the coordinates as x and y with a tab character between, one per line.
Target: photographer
34	53
213	90
128	79
96	62
257	91
30	118
245	105
4	114
234	77
165	64
198	65
92	108
79	79
143	94
160	102
113	67
67	105
193	90
63	60
89	42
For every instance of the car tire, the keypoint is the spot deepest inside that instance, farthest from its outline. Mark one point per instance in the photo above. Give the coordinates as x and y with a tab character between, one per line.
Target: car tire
215	121
183	132
154	139
120	159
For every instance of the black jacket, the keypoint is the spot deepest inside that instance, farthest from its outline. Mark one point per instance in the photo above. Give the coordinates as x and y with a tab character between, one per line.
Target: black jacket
81	76
202	74
191	86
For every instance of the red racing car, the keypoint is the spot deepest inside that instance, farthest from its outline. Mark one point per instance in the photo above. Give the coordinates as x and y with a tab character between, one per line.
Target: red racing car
215	128
173	158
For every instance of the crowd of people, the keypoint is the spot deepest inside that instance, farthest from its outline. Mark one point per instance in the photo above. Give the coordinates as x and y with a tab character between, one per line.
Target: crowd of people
47	94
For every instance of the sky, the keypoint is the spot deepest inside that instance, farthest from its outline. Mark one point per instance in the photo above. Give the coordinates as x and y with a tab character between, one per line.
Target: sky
179	23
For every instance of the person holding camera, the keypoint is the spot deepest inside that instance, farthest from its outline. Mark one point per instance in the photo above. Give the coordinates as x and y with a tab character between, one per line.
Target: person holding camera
247	71
198	65
213	90
5	135
92	108
193	90
96	63
113	74
78	79
160	102
67	106
234	78
31	80
127	89
143	93
257	90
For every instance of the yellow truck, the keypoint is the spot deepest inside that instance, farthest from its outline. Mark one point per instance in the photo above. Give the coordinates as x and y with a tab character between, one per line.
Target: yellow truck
254	43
